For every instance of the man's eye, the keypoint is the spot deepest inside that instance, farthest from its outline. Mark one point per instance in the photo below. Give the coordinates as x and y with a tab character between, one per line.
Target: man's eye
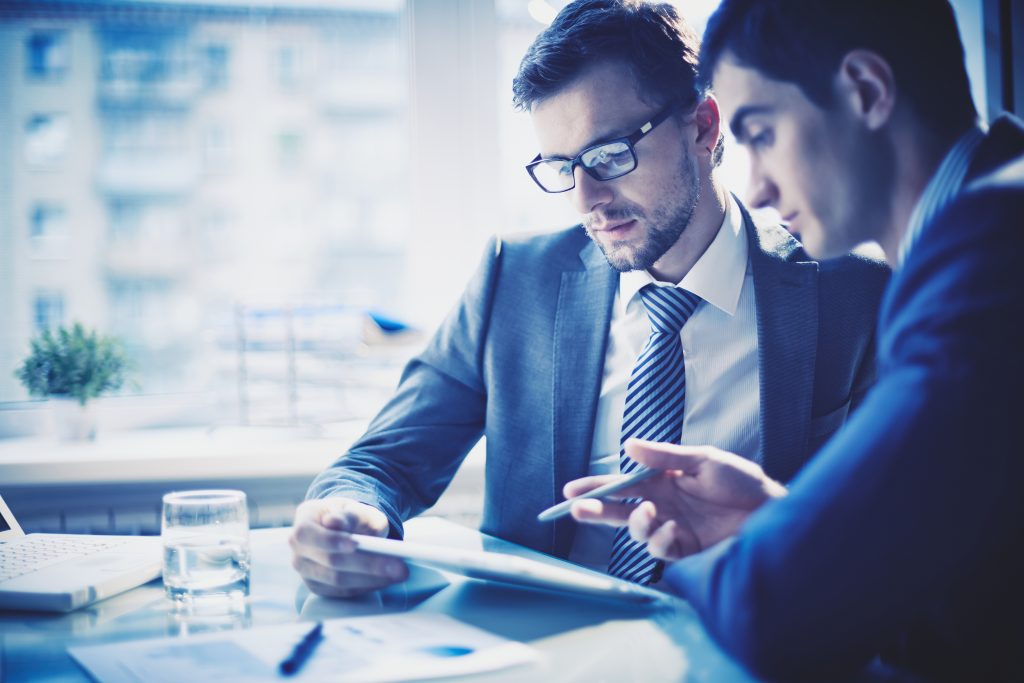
761	139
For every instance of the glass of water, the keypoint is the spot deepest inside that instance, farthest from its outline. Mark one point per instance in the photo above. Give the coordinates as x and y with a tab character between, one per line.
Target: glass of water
206	545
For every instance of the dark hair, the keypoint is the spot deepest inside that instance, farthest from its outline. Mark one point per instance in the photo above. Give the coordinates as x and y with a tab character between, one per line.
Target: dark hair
804	41
657	46
651	39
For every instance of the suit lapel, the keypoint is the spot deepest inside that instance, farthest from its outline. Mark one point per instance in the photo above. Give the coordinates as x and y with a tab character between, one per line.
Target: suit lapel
786	294
582	321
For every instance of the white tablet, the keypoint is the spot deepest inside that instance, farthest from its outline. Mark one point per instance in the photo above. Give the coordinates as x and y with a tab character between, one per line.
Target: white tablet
480	564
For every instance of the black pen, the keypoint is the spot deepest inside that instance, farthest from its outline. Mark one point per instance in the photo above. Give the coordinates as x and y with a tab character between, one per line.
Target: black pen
303	650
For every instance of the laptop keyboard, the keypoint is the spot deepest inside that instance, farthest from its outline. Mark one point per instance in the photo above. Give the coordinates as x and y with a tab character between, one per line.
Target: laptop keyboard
35	552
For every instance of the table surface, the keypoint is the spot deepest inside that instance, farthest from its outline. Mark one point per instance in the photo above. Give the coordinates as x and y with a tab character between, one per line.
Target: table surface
580	639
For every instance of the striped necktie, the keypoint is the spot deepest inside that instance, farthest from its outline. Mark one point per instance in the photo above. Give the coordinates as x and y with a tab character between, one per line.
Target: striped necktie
654	407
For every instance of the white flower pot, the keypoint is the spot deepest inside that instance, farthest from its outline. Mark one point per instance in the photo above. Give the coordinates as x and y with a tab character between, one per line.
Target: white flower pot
72	420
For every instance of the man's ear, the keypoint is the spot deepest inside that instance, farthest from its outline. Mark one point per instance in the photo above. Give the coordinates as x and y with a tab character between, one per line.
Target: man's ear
866	84
709	124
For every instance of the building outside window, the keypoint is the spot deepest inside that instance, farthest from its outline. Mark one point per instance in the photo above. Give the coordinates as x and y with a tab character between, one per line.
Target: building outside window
48	310
48	54
290	147
291	66
217	147
270	167
47	137
216	59
48	231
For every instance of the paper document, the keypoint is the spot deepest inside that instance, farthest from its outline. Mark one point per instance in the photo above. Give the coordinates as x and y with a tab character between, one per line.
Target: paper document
393	647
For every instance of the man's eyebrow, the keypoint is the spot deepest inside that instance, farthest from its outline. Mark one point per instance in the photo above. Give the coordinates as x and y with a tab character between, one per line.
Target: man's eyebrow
736	122
613	134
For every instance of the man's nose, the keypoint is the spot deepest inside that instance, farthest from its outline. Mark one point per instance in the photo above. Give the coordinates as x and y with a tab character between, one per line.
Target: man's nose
762	193
589	193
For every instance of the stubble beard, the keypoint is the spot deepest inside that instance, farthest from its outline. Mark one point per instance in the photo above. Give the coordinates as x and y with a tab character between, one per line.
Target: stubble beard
665	226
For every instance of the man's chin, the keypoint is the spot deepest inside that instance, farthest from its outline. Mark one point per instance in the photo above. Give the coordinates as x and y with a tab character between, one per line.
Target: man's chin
621	257
820	247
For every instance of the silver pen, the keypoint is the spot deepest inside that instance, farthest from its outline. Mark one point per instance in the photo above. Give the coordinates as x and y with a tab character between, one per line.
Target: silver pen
562	509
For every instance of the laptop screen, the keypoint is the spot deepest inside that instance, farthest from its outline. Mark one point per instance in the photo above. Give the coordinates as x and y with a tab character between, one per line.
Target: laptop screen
9	527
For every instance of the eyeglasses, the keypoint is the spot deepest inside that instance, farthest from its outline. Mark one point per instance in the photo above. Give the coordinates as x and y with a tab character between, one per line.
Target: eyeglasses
604	161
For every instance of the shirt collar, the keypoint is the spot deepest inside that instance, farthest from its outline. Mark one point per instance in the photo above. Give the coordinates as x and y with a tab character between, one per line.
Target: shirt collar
944	185
716	277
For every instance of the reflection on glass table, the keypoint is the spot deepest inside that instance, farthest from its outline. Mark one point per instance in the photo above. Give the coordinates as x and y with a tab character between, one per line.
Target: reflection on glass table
575	638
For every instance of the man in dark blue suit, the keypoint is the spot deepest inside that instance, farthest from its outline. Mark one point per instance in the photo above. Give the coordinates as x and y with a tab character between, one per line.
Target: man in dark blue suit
904	536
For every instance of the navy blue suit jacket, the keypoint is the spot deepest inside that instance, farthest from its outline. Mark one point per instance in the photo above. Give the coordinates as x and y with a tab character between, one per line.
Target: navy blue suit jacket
905	534
520	360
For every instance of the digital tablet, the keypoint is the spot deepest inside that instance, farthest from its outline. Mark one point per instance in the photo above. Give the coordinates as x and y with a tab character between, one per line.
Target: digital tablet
492	566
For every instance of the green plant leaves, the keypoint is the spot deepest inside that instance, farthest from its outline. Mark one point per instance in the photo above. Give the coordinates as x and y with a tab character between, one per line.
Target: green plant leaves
74	363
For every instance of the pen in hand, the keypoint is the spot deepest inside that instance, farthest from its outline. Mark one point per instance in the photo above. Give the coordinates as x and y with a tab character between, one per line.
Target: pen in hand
562	509
302	651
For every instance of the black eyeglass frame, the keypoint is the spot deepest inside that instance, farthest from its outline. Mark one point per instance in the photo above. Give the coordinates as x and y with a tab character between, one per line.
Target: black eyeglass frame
630	141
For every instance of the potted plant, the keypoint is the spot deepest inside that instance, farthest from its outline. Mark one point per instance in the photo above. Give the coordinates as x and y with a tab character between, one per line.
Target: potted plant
70	367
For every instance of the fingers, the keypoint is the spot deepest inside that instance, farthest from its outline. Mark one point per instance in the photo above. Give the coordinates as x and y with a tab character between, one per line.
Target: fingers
347	589
667	456
326	557
641	521
348	515
316	546
584	485
671	542
665	539
597	511
352	571
578	487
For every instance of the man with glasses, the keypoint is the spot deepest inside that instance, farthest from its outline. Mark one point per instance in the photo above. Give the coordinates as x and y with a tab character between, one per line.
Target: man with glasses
679	319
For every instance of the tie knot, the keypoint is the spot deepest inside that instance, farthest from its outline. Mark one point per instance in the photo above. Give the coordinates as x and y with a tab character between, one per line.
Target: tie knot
668	307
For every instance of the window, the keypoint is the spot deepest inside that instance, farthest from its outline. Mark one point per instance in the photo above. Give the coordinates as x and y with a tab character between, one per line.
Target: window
217	149
216	230
145	223
289	149
48	231
144	133
48	55
137	61
289	66
46	138
48	310
125	219
215	58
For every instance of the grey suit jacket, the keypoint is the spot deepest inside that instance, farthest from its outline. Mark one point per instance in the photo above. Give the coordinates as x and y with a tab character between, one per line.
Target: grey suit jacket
520	361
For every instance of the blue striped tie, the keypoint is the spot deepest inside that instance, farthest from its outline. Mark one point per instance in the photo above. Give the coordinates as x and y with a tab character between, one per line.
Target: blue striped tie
654	407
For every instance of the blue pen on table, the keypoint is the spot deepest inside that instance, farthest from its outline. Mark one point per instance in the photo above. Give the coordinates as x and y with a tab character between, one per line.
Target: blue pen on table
562	509
300	655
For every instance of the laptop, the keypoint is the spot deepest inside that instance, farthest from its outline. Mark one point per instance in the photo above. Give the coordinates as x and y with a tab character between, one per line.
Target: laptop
62	572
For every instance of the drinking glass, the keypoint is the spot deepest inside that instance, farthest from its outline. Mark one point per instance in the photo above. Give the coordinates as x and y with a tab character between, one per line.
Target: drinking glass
206	545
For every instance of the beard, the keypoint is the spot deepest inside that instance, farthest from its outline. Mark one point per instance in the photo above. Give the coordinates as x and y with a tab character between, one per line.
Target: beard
665	224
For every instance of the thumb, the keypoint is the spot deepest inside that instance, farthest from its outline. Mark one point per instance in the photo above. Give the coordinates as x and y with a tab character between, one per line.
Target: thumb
666	456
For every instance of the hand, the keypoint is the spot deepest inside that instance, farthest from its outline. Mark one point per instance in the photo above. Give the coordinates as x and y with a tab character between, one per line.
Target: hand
326	557
703	497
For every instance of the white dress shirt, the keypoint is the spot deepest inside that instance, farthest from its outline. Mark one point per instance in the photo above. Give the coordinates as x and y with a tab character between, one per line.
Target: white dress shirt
720	347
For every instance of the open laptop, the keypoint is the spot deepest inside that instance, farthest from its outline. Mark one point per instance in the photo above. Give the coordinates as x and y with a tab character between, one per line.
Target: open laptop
62	572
